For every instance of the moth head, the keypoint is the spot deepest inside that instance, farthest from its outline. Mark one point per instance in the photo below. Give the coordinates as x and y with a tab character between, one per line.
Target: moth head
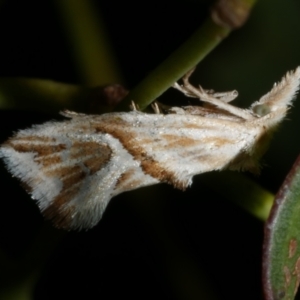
278	100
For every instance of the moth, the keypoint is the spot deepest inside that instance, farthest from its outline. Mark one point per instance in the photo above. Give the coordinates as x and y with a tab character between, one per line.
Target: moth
73	168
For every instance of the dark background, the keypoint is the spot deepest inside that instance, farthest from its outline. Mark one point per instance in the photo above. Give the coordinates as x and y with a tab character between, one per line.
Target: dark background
155	242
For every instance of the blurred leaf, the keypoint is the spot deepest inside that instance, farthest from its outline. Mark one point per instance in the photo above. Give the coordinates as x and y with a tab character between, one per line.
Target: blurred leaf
91	45
281	261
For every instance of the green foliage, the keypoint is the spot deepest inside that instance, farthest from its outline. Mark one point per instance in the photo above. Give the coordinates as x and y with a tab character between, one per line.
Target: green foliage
281	247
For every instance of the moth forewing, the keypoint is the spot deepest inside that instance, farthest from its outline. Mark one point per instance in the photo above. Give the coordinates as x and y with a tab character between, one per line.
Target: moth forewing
73	168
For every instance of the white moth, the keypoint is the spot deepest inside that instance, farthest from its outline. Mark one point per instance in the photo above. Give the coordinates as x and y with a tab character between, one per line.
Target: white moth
73	168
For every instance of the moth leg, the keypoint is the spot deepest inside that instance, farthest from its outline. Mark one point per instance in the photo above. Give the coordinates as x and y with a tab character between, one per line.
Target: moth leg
225	96
134	107
177	110
71	114
220	101
155	108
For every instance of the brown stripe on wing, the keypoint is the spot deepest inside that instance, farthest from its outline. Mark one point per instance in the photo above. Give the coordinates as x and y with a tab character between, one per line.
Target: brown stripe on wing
99	153
154	169
48	161
217	141
94	164
48	152
189	125
92	155
73	179
63	171
148	164
213	157
33	138
89	148
128	181
60	210
212	141
60	219
40	149
214	162
178	141
71	174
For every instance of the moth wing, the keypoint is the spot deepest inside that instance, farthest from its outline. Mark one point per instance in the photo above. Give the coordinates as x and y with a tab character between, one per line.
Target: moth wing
73	168
173	148
71	172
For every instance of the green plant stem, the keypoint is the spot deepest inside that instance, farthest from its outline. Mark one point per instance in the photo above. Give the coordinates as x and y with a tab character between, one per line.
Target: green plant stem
241	190
175	66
